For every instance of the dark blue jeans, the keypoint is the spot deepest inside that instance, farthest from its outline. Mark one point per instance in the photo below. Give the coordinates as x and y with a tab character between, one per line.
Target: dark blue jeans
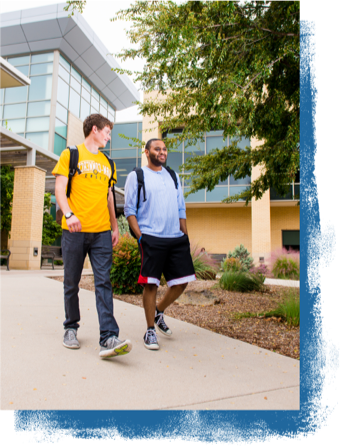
98	245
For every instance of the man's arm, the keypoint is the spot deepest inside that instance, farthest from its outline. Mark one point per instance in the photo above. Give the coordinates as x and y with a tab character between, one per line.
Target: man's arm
183	225
132	220
73	223
113	219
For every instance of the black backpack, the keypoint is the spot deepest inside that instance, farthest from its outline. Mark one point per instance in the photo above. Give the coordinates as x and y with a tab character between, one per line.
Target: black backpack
74	158
141	184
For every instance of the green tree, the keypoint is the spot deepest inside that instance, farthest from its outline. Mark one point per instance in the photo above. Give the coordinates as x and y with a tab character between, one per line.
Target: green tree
6	185
51	229
223	65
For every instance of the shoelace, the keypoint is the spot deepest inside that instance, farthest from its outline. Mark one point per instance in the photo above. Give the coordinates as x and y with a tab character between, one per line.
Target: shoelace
151	336
160	321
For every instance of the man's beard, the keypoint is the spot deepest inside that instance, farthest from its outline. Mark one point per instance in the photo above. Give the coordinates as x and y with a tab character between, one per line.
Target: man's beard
155	161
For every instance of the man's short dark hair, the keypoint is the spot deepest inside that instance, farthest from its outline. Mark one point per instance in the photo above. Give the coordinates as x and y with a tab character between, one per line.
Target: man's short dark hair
148	144
98	120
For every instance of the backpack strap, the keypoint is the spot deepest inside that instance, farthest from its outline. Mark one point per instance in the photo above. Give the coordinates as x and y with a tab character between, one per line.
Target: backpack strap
141	184
112	180
73	168
173	175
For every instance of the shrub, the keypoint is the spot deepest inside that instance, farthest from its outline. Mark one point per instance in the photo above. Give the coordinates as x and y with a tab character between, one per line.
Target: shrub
231	264
205	266
286	264
261	270
241	281
289	309
243	255
123	225
126	265
51	229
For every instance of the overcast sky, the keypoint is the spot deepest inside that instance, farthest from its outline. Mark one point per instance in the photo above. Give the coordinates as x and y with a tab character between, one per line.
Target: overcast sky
97	14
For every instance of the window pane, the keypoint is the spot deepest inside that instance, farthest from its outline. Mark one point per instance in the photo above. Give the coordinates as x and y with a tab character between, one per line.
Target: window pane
111	110
2	95
95	104
75	73
111	117
215	133
174	160
124	167
85	94
93	110
61	128
129	130
37	124
198	196
193	150
1	111
42	68
74	105
296	191
215	142
59	144
19	60
103	111
61	112
40	88
64	62
75	84
233	190
14	111
63	92
125	153
287	196
37	58
16	94
241	142
23	69
85	109
41	139
245	180
218	194
95	94
86	84
15	125
64	74
39	108
103	102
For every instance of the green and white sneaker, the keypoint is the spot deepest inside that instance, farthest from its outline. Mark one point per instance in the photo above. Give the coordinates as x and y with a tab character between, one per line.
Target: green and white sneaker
70	338
115	347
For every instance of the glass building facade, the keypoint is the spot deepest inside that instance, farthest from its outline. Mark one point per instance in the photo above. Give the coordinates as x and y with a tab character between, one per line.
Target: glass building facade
27	110
211	140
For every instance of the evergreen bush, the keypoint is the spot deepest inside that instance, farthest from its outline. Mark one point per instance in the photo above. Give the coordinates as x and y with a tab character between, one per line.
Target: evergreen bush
51	229
243	255
126	265
123	225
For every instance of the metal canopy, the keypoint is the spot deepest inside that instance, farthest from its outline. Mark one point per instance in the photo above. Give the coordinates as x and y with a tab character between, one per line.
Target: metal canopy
49	28
10	76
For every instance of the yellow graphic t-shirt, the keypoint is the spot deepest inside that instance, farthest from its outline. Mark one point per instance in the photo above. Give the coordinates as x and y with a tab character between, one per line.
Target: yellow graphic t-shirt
88	198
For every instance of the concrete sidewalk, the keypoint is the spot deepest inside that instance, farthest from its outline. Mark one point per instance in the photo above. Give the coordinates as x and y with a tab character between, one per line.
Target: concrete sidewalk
195	369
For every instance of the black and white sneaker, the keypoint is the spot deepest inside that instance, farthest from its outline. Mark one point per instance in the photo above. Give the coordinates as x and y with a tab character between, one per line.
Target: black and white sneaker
150	339
161	325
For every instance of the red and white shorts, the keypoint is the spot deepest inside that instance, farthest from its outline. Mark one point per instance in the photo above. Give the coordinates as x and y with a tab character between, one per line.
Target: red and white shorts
170	256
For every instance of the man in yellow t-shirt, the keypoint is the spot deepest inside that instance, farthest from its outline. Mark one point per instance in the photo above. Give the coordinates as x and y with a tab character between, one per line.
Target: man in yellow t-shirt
87	222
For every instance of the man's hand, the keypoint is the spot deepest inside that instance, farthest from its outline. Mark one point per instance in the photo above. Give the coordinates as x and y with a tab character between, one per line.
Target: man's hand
73	224
115	237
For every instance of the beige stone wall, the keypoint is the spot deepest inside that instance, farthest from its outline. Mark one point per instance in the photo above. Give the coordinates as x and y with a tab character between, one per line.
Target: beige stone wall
283	218
75	134
220	230
27	217
260	218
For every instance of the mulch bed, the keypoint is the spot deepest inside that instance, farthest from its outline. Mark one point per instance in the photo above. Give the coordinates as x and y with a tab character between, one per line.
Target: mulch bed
206	305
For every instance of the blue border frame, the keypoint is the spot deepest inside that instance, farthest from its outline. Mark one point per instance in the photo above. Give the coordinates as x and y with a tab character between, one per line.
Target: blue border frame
231	425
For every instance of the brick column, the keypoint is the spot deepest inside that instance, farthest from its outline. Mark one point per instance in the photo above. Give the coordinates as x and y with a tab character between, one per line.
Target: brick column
27	217
260	219
150	129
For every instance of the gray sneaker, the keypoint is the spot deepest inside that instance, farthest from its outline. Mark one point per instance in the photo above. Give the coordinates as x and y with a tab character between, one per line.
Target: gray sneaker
115	347
70	338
